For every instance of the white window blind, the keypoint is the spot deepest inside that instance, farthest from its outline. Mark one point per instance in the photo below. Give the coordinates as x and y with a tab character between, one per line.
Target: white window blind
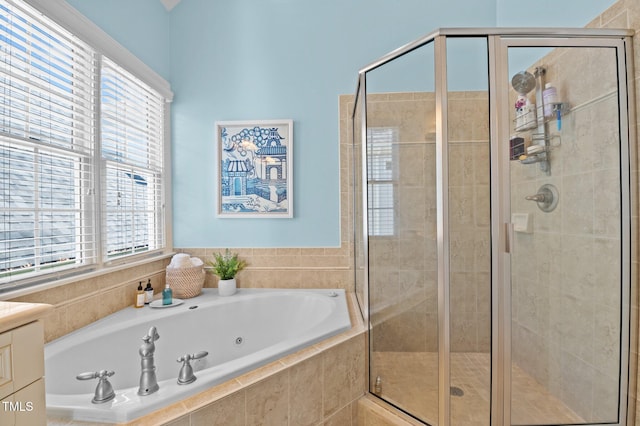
380	173
73	197
46	145
132	130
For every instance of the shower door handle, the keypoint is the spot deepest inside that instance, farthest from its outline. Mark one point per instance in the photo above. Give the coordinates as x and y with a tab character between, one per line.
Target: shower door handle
508	237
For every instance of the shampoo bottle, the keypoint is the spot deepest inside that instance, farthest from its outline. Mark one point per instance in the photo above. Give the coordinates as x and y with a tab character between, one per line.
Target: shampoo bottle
549	97
139	296
167	295
148	293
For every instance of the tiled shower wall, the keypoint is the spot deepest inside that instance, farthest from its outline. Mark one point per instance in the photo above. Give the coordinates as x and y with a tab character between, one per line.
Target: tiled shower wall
626	14
548	303
580	163
403	266
469	221
566	274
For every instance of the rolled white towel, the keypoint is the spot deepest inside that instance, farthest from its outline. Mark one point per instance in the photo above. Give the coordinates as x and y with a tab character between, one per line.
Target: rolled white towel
180	260
196	261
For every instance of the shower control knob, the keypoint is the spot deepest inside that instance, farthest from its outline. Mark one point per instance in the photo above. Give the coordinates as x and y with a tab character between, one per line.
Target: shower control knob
547	197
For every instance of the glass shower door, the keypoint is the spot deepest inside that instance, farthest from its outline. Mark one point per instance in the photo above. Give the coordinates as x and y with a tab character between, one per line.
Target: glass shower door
496	227
401	233
566	290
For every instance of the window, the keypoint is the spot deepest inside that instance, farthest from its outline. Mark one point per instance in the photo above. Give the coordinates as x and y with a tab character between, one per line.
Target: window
380	171
132	152
73	197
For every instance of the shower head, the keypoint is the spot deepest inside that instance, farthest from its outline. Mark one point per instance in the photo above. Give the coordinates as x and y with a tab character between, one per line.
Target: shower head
523	82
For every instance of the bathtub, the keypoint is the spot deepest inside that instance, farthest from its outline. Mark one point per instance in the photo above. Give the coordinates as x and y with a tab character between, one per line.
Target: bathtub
240	332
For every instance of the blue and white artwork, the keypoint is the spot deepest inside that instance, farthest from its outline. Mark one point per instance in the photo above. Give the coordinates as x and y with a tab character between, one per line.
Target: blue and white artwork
255	168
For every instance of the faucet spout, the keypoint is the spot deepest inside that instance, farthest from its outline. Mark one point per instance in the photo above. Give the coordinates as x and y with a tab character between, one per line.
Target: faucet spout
148	380
152	335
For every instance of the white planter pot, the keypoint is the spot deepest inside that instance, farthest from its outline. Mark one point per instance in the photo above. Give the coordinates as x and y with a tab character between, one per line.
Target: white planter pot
227	287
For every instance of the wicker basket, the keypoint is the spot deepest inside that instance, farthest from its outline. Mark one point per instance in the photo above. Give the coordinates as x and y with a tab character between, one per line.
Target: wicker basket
186	282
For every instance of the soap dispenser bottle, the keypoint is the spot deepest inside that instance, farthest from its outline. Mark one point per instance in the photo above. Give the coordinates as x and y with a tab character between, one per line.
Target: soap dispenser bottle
167	295
148	293
139	296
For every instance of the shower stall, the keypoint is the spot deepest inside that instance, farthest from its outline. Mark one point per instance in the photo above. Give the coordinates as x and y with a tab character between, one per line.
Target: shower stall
493	226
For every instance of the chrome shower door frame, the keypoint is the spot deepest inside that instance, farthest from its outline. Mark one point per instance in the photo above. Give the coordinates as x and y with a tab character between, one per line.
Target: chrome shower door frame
498	42
502	228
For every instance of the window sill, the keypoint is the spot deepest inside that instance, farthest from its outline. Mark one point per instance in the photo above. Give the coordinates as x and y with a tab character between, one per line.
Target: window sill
7	293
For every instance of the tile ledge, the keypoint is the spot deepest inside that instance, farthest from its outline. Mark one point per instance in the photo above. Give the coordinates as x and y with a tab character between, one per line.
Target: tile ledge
384	411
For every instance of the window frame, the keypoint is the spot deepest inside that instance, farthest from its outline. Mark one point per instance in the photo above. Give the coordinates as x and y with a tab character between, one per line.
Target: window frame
73	21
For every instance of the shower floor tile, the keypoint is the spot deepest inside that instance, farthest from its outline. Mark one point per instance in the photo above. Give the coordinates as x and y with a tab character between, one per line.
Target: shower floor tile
410	381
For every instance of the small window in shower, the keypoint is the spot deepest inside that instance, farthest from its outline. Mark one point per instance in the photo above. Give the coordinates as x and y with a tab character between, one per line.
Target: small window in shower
381	161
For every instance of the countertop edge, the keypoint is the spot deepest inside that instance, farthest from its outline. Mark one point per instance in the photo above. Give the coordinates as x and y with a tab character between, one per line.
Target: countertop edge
16	314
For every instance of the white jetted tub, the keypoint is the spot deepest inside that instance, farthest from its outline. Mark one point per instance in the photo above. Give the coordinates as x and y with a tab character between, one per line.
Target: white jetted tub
240	332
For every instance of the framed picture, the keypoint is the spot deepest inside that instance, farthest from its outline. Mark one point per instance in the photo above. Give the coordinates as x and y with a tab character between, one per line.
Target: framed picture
255	178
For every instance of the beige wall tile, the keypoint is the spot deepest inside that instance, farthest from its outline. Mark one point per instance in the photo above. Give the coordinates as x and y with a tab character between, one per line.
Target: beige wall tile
344	374
267	401
228	411
182	421
306	387
341	418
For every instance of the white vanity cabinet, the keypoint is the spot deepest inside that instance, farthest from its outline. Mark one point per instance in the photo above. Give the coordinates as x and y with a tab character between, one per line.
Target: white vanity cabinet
22	393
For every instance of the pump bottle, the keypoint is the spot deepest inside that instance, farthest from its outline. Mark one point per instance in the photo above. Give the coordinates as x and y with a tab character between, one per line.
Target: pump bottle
167	295
148	293
139	296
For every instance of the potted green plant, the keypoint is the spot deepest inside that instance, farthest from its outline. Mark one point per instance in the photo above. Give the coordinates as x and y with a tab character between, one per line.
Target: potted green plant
226	266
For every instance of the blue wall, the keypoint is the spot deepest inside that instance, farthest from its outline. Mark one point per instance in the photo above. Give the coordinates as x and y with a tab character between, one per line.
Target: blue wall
274	59
139	25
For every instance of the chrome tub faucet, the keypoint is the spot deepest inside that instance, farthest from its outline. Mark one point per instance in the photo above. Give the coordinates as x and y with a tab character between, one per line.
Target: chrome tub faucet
104	391
186	376
148	380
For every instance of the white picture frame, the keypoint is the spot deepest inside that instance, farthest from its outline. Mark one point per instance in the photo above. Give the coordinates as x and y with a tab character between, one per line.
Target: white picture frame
255	168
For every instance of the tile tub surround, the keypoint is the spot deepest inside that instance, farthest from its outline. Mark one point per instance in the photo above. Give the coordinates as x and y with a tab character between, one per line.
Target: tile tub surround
318	385
287	267
303	267
87	300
